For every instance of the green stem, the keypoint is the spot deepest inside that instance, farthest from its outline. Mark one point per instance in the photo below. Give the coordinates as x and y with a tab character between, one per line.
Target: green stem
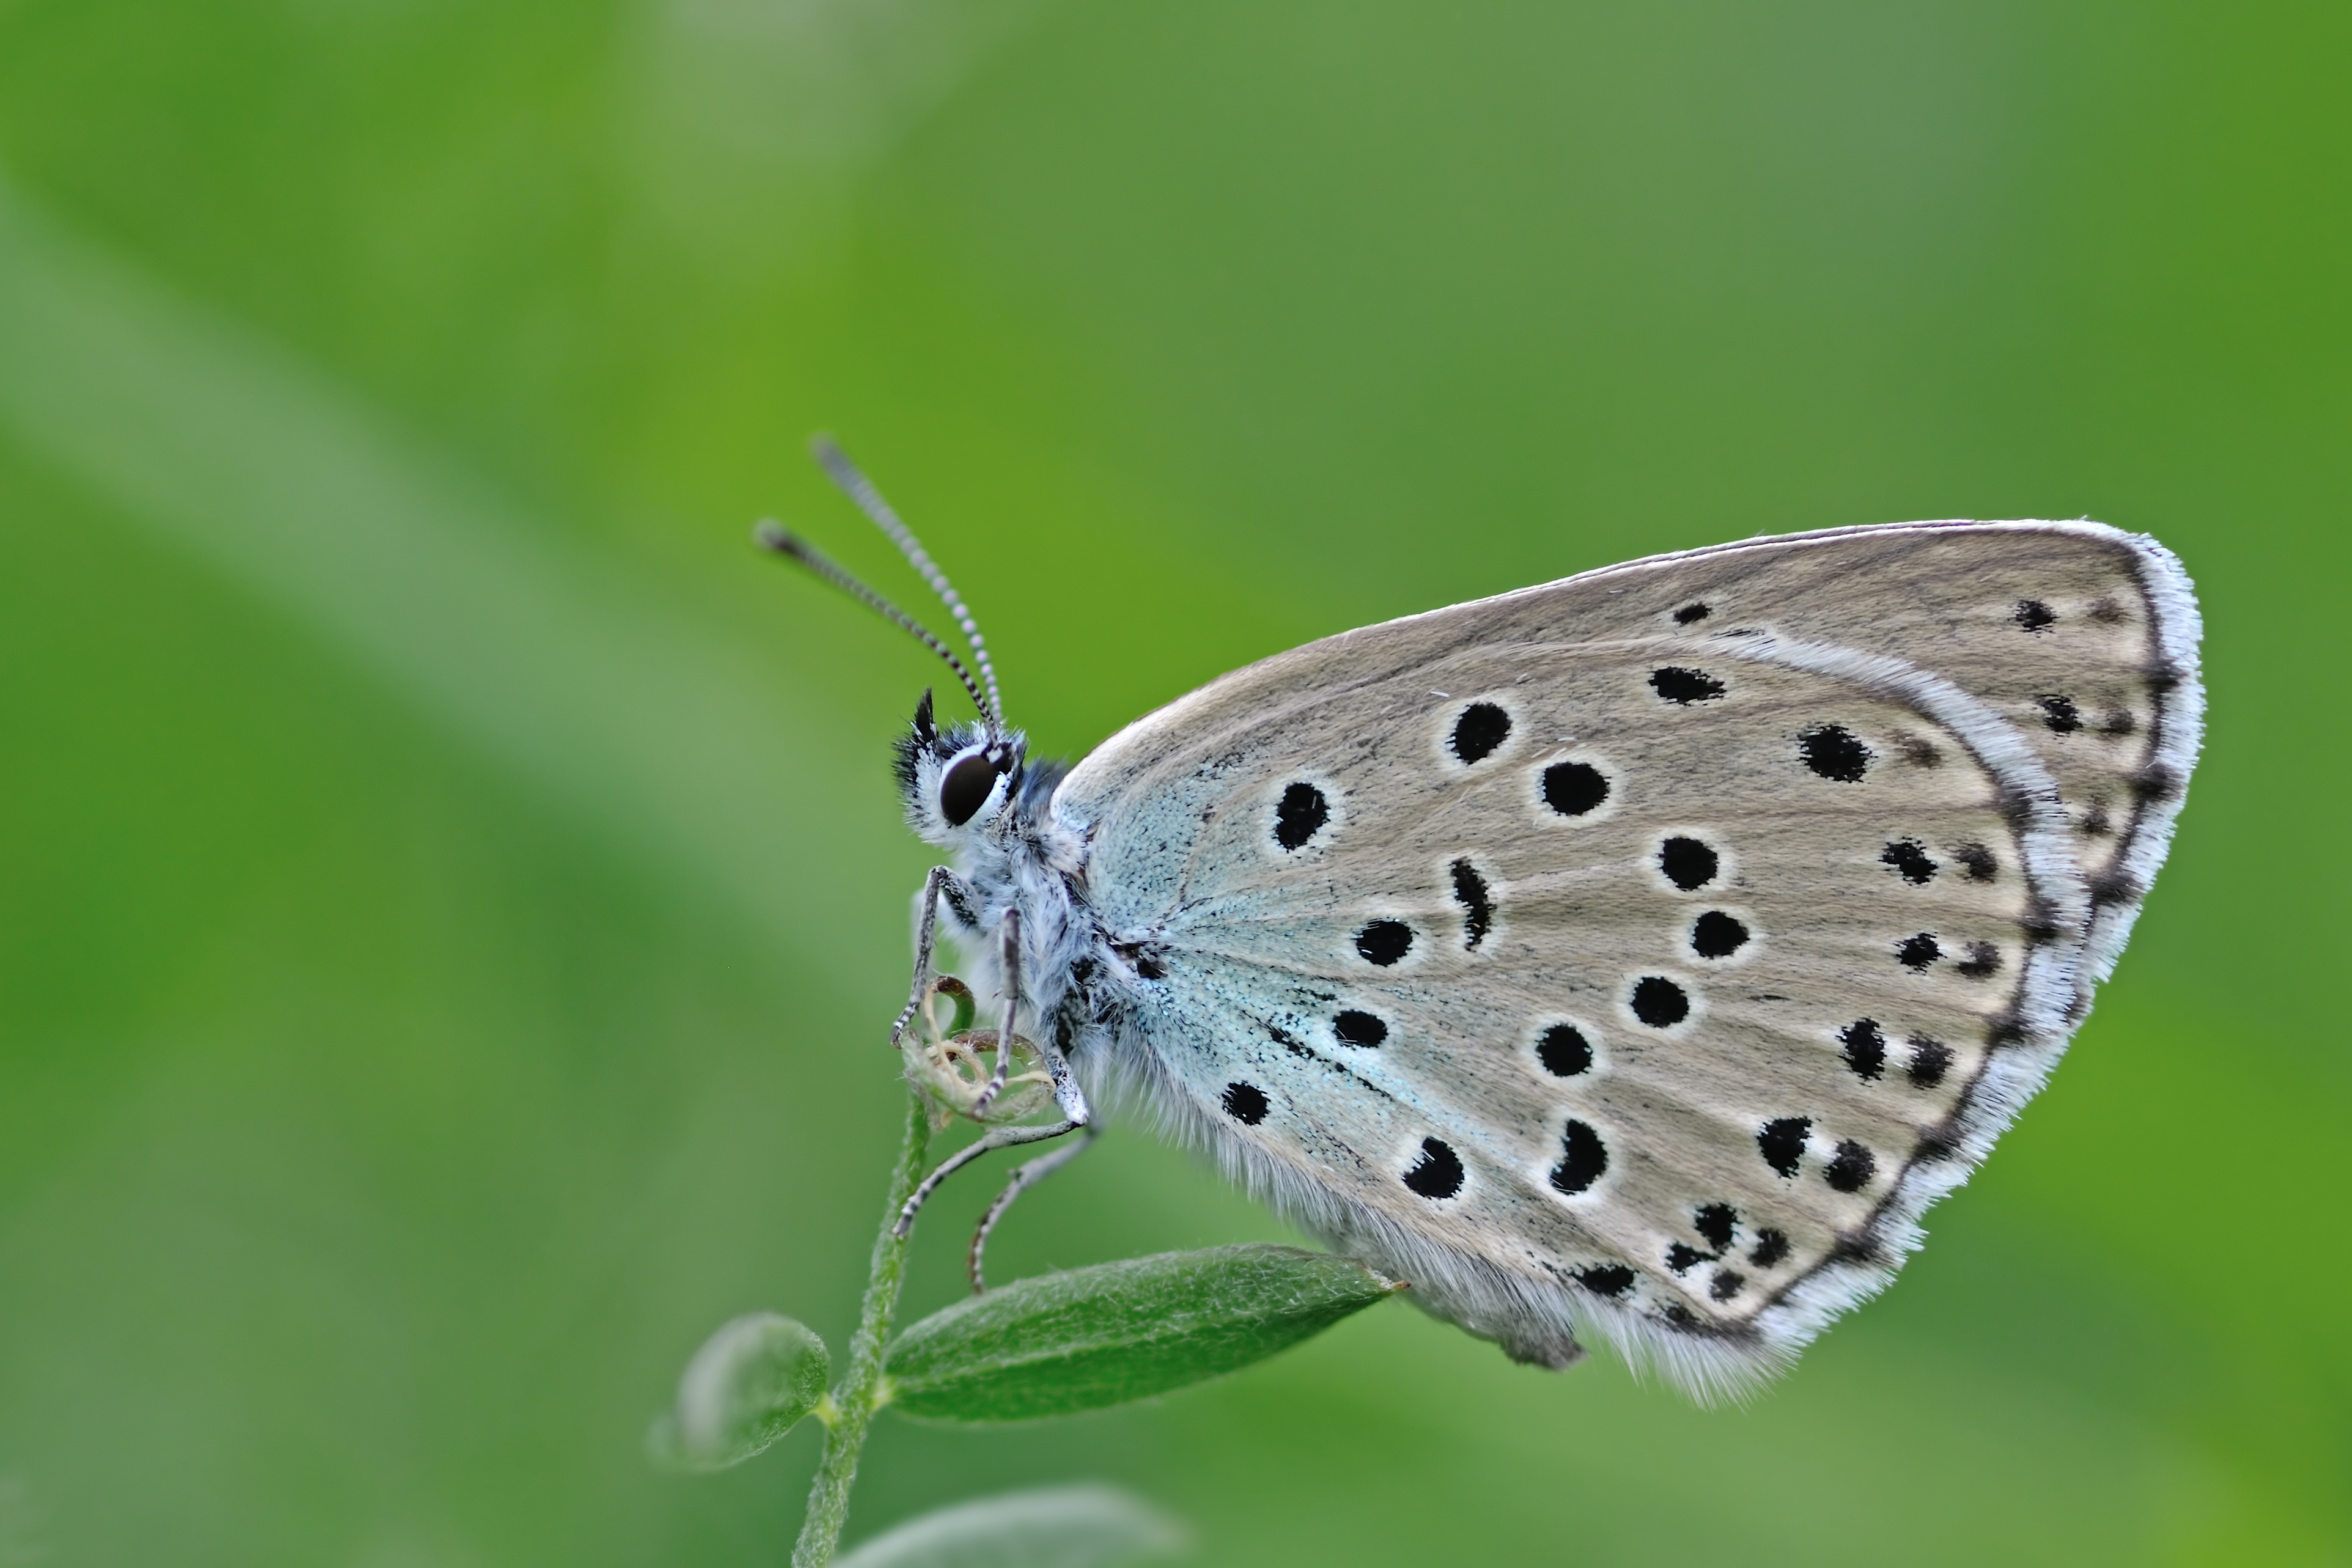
860	1393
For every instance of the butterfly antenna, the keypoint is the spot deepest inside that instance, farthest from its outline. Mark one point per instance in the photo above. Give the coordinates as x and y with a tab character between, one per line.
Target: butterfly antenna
855	484
771	536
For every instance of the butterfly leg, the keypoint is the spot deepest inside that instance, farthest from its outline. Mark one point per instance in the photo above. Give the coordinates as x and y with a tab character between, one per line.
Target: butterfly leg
997	1138
1012	968
1066	1092
926	930
1024	1176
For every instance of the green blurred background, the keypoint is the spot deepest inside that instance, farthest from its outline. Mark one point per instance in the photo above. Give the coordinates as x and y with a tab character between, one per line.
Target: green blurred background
450	892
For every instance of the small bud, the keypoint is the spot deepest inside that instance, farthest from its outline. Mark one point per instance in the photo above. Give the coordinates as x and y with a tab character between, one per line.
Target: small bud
951	1063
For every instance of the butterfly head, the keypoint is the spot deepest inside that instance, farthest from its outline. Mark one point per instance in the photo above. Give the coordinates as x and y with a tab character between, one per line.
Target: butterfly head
956	780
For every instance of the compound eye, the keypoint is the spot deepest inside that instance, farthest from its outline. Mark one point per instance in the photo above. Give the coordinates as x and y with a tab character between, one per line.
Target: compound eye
966	787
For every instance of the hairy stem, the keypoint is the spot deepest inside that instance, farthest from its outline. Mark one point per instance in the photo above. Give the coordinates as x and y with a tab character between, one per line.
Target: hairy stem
860	1393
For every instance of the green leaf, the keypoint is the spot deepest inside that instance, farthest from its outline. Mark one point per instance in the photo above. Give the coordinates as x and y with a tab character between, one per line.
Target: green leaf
748	1385
1057	1527
1094	1337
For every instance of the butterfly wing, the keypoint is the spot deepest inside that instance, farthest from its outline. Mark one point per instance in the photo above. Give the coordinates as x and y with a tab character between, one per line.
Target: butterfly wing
1640	954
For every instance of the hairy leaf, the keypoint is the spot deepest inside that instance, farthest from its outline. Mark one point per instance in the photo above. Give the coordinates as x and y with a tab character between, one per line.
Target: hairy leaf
1057	1527
1094	1337
748	1385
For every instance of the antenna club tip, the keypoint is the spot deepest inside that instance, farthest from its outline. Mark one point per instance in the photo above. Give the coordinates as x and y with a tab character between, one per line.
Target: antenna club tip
769	534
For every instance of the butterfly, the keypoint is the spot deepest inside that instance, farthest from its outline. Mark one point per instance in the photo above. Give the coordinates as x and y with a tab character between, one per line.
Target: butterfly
1628	959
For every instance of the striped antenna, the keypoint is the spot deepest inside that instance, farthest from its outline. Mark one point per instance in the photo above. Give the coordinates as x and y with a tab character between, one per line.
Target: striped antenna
855	484
772	535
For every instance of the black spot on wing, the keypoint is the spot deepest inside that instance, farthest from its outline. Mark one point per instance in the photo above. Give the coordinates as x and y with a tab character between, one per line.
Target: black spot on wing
1356	1028
1246	1103
1605	1279
1684	687
1478	906
1781	1142
1688	863
1716	1222
1384	943
1300	815
1564	1052
1850	1168
1930	1060
2059	712
1771	1247
1834	752
1478	731
1715	934
1584	1158
1574	788
1726	1284
1915	953
1690	613
1660	1003
1866	1049
1438	1173
1909	860
2033	615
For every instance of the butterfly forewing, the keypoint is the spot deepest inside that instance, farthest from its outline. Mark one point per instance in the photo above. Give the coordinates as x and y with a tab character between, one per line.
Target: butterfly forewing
1644	951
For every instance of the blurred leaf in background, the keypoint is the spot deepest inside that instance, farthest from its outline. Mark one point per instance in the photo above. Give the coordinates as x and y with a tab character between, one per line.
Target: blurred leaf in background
451	899
752	1382
1055	1527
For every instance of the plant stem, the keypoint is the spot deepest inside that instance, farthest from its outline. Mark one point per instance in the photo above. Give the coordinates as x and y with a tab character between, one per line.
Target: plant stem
859	1395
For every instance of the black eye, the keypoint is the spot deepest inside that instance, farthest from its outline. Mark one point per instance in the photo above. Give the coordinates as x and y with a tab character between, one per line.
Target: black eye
966	787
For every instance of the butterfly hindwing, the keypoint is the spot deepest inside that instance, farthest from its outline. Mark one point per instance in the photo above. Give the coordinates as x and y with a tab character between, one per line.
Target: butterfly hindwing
1641	953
